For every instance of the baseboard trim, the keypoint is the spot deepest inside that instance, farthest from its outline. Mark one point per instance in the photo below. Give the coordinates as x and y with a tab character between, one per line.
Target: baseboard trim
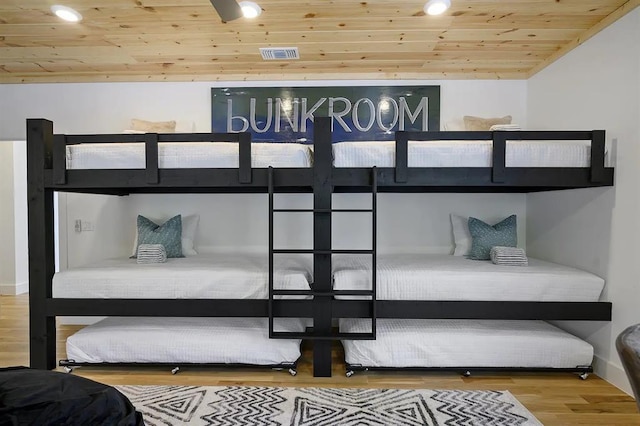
13	289
612	373
22	288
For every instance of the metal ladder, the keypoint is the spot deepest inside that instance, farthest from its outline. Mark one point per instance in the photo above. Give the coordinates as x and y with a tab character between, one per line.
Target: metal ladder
309	333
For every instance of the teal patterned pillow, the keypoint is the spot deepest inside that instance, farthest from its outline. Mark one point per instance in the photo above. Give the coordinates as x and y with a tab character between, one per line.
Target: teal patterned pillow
169	234
485	236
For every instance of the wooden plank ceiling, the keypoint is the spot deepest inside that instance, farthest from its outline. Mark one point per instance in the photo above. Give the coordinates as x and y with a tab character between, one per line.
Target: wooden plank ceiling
184	40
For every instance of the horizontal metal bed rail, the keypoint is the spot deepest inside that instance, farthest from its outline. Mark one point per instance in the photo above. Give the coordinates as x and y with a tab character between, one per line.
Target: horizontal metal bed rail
582	370
464	309
470	179
178	180
289	308
70	364
76	139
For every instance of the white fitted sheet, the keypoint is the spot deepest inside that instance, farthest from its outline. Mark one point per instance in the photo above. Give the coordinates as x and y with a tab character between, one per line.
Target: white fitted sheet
445	277
173	155
184	340
203	276
464	154
464	343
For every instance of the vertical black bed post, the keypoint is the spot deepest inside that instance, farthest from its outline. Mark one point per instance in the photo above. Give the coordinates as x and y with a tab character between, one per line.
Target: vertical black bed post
42	328
322	190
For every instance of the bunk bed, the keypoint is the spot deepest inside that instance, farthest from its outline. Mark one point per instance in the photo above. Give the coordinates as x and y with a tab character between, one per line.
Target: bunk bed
162	313
443	312
48	172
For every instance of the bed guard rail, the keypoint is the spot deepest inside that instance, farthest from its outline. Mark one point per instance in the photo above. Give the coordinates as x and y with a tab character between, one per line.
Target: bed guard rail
40	131
499	139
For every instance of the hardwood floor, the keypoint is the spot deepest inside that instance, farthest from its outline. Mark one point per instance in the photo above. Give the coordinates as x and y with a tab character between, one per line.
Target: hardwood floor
555	399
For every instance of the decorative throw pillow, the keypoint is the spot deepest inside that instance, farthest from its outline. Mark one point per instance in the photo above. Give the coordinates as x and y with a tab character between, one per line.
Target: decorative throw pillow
461	235
189	230
485	236
153	126
169	234
483	124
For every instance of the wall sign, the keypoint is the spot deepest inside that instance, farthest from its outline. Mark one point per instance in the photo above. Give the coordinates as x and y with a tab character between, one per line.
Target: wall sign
285	114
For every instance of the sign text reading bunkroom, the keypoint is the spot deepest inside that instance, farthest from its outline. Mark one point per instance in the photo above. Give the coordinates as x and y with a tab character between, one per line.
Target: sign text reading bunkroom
360	113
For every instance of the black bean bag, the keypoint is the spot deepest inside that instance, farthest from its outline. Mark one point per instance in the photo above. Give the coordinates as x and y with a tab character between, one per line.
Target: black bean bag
38	397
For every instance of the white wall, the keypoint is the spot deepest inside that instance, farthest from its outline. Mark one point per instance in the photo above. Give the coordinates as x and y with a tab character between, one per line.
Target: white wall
7	253
109	107
14	269
20	217
595	86
406	222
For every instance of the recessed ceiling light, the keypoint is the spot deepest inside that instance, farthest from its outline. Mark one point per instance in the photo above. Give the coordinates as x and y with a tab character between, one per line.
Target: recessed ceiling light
66	13
250	9
437	7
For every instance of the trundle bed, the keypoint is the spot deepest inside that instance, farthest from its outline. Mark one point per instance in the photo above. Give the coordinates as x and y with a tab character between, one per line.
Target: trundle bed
397	309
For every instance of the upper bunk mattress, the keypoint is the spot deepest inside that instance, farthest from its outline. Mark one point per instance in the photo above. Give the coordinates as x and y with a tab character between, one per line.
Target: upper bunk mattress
464	154
446	277
185	340
204	276
464	343
174	155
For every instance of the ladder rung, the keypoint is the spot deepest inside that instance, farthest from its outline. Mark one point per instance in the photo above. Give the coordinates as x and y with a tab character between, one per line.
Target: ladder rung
322	210
312	251
354	251
353	292
312	336
292	292
278	292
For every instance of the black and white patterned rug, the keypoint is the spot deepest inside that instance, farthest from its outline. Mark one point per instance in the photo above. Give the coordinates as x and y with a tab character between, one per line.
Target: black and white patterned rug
235	405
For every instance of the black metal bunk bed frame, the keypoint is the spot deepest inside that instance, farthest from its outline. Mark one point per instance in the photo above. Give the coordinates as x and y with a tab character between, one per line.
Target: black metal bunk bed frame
47	173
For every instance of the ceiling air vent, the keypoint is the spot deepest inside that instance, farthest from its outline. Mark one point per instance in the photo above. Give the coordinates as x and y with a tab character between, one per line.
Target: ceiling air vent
279	53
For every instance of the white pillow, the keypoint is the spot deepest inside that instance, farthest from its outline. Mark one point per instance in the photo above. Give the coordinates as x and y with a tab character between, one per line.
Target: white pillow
189	229
461	235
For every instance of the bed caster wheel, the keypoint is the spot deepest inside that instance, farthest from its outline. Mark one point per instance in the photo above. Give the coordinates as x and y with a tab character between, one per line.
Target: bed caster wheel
293	371
349	373
583	376
68	370
175	371
467	373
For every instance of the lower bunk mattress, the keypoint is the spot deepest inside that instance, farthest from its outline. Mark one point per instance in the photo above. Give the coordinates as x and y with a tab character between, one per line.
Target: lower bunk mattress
404	343
203	276
185	341
446	277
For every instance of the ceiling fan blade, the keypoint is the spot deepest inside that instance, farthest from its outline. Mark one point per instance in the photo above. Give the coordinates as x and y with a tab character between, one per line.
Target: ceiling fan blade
227	9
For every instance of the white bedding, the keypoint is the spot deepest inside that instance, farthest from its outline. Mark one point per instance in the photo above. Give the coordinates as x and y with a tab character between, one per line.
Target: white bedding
445	277
464	343
203	276
464	154
184	340
186	155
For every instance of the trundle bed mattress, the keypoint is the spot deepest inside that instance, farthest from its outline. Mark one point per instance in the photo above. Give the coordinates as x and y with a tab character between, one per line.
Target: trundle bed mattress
184	340
173	155
203	276
446	277
464	343
464	154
